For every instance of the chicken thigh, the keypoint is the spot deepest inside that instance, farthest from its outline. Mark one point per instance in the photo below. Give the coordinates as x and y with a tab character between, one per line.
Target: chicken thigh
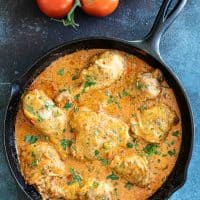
103	70
98	190
132	167
154	123
97	134
146	85
43	113
40	160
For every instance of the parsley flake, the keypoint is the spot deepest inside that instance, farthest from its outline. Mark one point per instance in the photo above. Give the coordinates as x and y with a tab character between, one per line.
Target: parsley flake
172	152
104	162
88	83
175	133
150	149
128	185
76	97
31	139
68	106
112	176
61	72
142	108
139	85
74	77
65	143
129	145
34	161
76	178
39	119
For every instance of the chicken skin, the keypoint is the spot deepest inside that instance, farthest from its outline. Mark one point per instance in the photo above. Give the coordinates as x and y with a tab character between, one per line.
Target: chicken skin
146	85
40	160
154	123
97	132
98	190
43	113
132	167
103	70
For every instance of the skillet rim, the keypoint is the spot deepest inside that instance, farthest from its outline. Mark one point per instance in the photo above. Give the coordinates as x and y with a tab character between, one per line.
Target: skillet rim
139	46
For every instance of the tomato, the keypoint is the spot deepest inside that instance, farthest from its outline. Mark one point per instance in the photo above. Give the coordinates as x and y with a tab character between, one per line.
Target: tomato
55	8
99	8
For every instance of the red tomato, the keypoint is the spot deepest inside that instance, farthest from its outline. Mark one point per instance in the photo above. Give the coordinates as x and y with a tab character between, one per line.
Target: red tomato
99	8
55	8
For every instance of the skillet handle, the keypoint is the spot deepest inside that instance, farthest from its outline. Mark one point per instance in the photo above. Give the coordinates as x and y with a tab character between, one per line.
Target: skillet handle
162	22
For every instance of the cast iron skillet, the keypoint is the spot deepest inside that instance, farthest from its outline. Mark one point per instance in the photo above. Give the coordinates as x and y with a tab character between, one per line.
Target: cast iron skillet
148	50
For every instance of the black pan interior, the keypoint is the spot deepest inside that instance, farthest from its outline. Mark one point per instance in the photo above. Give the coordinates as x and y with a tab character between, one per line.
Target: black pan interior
178	175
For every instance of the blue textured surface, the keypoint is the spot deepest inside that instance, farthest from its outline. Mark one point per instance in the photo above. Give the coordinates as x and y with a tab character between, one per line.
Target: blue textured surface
26	34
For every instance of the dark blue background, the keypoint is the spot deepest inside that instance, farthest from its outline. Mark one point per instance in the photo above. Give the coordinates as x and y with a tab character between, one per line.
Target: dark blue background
26	34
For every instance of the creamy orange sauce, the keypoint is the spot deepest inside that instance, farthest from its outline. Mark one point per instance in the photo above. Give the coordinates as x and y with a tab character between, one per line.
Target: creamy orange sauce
123	107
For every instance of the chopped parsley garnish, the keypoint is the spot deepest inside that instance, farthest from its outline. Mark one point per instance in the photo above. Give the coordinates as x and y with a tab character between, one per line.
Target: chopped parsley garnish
76	178
65	143
124	93
175	133
112	99
96	153
30	109
139	85
74	77
172	142
62	90
39	119
104	162
142	108
68	106
31	139
72	130
64	130
129	145
151	149
76	97
61	72
34	161
112	176
172	152
128	185
88	83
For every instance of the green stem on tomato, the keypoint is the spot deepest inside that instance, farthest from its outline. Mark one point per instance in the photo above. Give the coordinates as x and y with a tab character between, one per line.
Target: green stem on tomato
70	21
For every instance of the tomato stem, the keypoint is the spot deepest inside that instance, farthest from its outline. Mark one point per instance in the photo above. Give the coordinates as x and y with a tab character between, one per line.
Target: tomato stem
69	20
